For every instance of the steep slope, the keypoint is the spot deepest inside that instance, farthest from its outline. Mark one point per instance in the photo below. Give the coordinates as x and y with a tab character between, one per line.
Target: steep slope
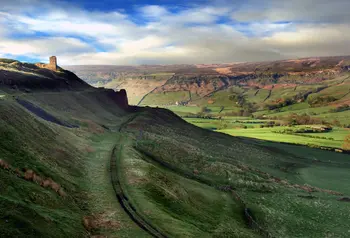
168	165
46	164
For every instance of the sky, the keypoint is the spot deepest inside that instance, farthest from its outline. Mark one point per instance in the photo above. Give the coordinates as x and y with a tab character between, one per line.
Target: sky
133	32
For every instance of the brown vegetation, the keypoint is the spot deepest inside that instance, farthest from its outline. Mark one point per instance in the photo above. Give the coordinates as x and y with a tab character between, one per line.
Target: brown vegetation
94	128
45	183
37	179
55	186
4	164
89	149
61	192
18	172
346	144
99	221
29	174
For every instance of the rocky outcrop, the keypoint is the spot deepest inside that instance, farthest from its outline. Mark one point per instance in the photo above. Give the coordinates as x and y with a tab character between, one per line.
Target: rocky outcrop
119	97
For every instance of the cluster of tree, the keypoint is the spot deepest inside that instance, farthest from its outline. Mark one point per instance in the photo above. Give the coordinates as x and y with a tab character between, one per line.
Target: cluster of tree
341	108
282	103
239	99
271	124
303	119
240	113
321	100
205	110
303	135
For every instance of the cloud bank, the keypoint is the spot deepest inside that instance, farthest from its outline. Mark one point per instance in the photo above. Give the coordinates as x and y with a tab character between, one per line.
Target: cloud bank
205	32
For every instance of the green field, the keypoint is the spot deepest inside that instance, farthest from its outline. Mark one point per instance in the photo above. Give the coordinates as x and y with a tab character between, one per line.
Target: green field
165	98
335	138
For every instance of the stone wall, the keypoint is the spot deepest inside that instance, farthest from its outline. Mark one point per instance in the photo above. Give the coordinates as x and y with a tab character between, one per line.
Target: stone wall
52	65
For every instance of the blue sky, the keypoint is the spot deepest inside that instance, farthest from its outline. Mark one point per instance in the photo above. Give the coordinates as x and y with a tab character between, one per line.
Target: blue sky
172	32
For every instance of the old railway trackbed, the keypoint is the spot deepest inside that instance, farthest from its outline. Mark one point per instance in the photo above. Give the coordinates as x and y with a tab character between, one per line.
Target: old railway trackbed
124	201
145	225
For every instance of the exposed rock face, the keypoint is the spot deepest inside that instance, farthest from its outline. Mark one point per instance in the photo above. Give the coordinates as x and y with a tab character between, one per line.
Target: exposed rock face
120	97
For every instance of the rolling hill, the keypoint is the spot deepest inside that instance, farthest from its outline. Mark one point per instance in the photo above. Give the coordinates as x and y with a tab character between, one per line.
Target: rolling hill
204	80
78	161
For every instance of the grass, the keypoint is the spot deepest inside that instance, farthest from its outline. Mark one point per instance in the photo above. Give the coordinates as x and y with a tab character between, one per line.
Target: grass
165	98
178	176
101	195
235	126
178	205
160	192
337	136
77	159
27	209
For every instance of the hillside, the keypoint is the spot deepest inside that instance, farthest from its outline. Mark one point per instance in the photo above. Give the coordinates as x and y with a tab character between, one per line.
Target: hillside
203	80
318	86
78	161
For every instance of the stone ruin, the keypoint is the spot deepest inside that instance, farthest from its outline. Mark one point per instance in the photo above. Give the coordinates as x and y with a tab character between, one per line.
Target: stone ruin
52	65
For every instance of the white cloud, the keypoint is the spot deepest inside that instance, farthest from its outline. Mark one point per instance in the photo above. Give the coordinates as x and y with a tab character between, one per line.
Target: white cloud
187	35
335	11
54	45
154	11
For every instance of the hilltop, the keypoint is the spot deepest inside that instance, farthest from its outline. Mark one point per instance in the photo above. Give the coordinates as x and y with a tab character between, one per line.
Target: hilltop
78	161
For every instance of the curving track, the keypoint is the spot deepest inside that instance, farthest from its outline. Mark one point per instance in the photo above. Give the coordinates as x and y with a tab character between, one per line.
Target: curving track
124	201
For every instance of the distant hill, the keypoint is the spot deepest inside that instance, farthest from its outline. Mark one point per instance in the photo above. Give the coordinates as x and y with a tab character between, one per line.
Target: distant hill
260	82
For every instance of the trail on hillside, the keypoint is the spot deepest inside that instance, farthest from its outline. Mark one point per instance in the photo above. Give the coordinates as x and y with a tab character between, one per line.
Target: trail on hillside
144	96
124	201
148	157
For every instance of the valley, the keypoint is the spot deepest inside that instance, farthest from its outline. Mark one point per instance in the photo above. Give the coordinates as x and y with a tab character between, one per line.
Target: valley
65	146
314	89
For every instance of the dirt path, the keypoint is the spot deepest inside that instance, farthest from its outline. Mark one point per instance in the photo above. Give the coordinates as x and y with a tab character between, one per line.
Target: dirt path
123	199
103	209
144	96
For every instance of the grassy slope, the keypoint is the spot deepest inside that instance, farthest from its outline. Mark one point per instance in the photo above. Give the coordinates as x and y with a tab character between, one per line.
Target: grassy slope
180	206
77	159
161	193
233	161
337	87
165	98
27	209
170	174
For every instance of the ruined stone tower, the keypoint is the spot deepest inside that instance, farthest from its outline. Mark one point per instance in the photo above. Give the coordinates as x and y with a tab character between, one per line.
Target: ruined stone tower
53	63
